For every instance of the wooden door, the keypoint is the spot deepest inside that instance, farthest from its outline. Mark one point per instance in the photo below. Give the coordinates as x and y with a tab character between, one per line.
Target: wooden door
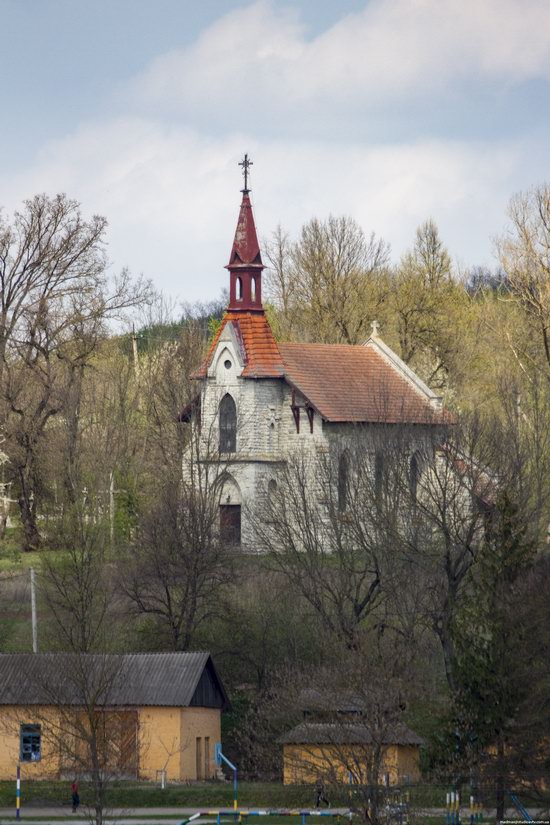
207	757
198	753
230	524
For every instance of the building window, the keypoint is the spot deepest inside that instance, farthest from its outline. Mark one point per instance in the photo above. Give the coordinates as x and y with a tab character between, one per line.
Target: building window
239	289
343	482
30	743
230	524
378	474
414	476
228	425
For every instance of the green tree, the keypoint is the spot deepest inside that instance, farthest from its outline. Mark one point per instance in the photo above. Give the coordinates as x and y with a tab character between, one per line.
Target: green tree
425	301
488	644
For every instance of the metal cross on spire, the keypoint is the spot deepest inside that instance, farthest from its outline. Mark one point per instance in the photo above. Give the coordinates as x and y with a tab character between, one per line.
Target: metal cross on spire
246	164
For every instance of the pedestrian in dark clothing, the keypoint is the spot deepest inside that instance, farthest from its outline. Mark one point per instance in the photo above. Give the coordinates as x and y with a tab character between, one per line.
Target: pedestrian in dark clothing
75	797
320	795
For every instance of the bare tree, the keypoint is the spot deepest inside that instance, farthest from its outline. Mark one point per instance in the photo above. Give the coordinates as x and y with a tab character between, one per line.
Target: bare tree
179	564
280	280
338	279
55	300
320	526
353	712
524	252
83	731
49	252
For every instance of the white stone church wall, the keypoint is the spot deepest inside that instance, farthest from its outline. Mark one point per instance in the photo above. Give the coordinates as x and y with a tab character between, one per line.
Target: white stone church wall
267	433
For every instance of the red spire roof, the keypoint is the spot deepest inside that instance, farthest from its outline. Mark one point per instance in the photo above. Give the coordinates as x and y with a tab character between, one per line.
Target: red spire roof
245	251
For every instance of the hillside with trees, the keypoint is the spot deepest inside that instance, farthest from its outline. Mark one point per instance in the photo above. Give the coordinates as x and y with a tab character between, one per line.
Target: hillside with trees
438	615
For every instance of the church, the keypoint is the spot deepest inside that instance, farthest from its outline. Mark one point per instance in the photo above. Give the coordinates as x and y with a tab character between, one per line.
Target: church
261	400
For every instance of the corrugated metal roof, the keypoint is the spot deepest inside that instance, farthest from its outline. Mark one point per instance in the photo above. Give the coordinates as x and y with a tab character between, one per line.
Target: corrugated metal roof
343	733
132	679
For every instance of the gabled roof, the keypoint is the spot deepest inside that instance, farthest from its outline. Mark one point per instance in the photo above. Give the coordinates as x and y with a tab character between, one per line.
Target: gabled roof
257	345
344	733
366	383
132	679
347	383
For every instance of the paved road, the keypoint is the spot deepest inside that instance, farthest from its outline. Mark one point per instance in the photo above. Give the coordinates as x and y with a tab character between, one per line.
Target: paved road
172	816
151	816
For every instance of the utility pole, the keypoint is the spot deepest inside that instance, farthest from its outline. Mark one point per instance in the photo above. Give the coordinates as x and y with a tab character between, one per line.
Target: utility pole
112	508
33	613
135	351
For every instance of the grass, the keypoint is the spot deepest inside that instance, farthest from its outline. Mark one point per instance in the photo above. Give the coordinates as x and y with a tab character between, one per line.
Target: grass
148	795
12	558
197	795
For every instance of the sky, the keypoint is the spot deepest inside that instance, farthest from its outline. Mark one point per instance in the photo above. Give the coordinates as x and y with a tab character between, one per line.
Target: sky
390	111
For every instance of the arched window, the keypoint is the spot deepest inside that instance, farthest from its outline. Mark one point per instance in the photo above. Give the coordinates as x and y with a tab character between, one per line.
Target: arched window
228	425
343	482
253	289
239	289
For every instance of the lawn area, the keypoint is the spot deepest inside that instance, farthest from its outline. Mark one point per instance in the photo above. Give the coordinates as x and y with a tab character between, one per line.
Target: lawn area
204	795
145	794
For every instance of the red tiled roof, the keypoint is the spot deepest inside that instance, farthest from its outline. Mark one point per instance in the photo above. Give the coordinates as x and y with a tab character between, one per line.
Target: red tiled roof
342	382
356	384
258	345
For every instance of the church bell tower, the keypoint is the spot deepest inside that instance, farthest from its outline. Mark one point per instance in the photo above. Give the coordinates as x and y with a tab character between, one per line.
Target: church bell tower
245	263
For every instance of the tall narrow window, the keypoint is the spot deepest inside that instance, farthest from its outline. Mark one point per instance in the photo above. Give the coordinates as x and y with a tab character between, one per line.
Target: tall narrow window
343	482
228	425
253	289
414	476
378	474
239	287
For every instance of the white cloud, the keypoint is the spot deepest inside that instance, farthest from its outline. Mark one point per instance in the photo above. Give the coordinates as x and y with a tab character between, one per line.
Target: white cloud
257	62
171	194
169	185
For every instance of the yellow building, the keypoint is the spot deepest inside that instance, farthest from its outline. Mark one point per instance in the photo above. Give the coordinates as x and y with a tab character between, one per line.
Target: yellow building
343	753
144	712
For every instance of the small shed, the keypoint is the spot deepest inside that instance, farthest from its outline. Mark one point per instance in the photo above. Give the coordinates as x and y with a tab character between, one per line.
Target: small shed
158	711
336	740
340	752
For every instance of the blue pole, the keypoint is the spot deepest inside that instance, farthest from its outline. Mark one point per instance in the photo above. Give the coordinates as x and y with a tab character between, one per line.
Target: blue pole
235	779
522	810
18	794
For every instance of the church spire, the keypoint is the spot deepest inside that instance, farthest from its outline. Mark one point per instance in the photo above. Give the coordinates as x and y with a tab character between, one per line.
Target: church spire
245	263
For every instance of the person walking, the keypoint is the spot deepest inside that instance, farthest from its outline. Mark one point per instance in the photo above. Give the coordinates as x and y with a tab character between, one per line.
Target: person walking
75	797
320	795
